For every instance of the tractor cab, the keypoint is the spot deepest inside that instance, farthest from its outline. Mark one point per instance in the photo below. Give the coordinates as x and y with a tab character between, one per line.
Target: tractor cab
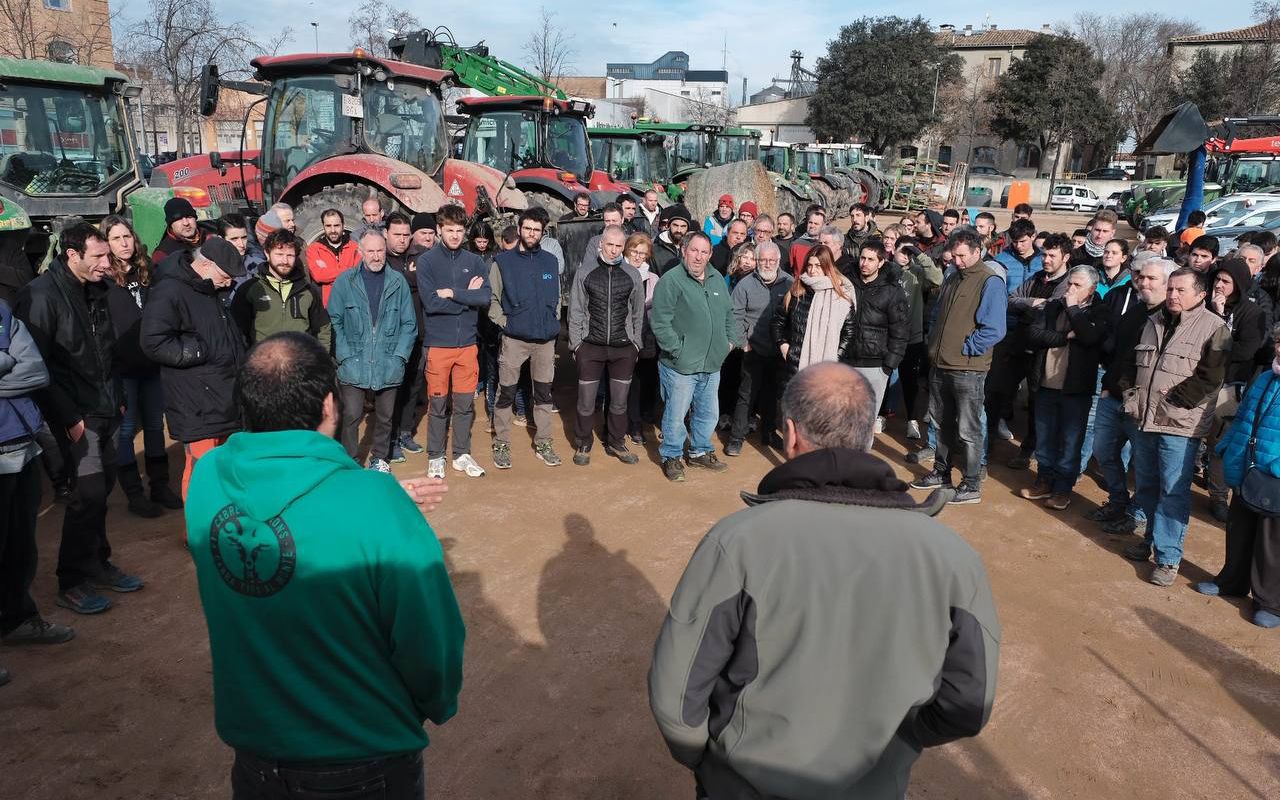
635	157
688	145
736	144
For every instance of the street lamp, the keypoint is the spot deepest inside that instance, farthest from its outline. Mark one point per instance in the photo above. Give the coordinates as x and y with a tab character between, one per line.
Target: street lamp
933	108
315	27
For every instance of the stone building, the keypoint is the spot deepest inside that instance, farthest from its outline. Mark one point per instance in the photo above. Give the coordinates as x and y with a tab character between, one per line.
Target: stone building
74	31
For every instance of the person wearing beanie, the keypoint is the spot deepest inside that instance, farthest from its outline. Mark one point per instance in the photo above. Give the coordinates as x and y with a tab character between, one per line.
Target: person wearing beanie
675	222
266	225
715	225
423	228
747	212
182	233
332	254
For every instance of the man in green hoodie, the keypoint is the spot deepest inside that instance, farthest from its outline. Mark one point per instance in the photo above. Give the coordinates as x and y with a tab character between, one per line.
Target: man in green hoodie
330	645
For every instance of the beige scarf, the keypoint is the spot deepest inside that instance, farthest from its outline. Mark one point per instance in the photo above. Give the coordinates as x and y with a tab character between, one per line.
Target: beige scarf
827	314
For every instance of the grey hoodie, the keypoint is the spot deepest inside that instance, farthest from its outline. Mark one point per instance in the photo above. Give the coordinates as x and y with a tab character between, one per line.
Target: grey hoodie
754	302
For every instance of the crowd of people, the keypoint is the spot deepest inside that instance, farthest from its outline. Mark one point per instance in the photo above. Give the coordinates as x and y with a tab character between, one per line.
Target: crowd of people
1157	360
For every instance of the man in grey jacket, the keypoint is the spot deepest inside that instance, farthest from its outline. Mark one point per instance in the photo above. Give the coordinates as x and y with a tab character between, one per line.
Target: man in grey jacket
606	319
820	638
754	300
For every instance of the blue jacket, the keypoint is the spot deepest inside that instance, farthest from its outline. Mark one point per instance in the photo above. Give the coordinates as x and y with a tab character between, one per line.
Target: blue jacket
1017	272
372	353
1125	276
22	371
1264	395
451	321
530	296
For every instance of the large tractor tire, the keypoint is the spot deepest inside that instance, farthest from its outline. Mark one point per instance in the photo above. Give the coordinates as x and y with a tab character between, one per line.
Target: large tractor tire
347	198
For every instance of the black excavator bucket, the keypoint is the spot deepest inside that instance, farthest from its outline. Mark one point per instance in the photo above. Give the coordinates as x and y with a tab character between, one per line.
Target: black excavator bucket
1180	131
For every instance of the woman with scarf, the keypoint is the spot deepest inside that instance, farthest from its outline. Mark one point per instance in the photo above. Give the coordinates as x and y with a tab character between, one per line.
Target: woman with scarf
1252	445
814	321
642	398
144	396
1114	270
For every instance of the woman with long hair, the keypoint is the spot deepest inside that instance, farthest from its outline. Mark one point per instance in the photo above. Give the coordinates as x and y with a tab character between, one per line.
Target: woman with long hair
1115	266
814	321
144	395
642	398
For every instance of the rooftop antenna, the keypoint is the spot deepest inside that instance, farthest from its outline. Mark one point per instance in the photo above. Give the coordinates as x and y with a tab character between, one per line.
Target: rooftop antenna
724	54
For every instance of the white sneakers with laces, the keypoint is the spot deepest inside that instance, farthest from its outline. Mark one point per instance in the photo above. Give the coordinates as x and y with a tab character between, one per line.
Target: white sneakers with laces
463	463
435	468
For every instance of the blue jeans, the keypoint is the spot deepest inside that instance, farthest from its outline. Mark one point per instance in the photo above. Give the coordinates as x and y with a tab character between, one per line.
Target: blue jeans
1163	465
143	408
1060	421
955	405
699	392
1086	449
1111	448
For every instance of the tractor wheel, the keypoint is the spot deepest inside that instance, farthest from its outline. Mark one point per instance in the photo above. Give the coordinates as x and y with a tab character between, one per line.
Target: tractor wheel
554	206
346	197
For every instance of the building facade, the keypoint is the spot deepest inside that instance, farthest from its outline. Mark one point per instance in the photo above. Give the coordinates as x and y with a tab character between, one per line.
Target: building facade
73	31
668	75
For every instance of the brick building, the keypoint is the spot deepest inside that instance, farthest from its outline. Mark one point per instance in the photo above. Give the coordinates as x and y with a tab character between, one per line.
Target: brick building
75	31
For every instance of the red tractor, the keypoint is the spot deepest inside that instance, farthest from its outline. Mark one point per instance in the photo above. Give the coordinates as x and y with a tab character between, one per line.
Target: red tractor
341	127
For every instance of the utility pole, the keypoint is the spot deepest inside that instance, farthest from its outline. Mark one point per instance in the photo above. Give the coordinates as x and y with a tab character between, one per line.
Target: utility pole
315	27
744	90
724	53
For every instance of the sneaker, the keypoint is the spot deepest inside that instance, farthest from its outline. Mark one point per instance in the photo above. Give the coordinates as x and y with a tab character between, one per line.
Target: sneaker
636	438
1107	512
502	455
83	599
1219	510
1266	619
519	419
1138	551
1003	432
1058	501
37	631
879	424
117	580
733	448
435	468
465	463
408	445
1163	574
397	454
622	454
673	468
1037	491
913	429
166	497
1019	462
547	453
707	460
966	494
922	456
1207	588
1125	525
379	465
931	480
62	492
142	506
582	456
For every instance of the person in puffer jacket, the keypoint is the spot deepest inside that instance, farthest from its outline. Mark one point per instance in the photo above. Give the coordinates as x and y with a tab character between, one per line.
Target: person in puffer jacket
1252	562
881	316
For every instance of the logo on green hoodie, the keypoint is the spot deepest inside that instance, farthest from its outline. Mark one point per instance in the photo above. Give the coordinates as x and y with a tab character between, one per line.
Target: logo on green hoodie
258	562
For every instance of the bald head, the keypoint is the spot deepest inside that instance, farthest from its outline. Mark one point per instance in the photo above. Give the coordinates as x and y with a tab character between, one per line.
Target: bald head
287	383
827	405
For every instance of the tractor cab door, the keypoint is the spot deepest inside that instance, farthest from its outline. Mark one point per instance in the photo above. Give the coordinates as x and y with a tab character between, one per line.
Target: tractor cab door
306	121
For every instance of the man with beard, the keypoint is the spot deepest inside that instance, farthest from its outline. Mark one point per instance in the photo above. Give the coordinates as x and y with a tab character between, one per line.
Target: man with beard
182	232
666	248
332	254
280	298
402	255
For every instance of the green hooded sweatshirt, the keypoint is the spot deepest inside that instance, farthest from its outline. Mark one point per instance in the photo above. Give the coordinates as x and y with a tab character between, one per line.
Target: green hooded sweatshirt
332	623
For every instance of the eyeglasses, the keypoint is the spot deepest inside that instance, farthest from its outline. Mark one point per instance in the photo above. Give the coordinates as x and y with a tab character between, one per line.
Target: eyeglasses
765	261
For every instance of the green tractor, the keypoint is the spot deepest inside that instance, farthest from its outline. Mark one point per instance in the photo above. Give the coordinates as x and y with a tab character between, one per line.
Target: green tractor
792	185
638	158
67	151
731	145
689	149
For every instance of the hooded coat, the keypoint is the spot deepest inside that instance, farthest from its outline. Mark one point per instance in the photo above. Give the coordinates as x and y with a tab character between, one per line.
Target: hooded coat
1248	322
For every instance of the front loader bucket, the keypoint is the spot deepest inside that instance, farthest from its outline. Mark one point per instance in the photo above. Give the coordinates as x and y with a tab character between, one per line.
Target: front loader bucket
573	236
1182	130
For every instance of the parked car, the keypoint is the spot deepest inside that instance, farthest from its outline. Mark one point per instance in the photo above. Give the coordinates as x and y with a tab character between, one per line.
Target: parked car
146	165
1228	236
1112	201
984	169
1218	213
1108	174
1074	197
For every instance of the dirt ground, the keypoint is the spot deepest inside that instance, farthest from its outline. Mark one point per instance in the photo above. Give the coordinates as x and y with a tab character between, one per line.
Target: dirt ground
1109	687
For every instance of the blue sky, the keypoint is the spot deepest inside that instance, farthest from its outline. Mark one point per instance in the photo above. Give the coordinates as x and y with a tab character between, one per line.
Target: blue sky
759	37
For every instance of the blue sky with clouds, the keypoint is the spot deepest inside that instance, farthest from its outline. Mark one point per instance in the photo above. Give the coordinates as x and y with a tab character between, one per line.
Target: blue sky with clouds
759	37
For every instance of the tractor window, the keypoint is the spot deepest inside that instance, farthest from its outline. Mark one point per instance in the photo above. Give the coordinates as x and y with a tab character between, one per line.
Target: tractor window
405	123
305	125
691	149
567	146
60	141
504	140
600	154
626	160
774	159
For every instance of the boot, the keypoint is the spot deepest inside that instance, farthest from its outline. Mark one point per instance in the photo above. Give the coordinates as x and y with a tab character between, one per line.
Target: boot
139	504
158	475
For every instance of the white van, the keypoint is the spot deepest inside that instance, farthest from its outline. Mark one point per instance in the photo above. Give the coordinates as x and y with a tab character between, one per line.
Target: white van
1074	197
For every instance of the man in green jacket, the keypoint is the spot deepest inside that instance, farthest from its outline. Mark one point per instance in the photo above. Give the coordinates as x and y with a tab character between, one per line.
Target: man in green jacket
279	297
333	626
692	320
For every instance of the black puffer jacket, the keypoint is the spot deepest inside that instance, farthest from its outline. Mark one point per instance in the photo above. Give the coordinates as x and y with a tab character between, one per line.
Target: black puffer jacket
609	292
882	318
791	318
71	324
188	330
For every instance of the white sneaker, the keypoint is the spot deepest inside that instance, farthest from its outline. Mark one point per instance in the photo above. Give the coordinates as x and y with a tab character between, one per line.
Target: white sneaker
435	468
879	424
465	463
913	429
1003	432
378	465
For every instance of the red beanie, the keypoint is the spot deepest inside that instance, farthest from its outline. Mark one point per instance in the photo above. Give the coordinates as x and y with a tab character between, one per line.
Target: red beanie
725	199
749	207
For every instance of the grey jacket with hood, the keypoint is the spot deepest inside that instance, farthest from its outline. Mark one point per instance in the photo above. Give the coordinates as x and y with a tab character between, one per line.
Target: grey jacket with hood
821	637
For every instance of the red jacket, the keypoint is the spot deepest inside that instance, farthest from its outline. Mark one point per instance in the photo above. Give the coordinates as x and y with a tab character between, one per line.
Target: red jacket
326	264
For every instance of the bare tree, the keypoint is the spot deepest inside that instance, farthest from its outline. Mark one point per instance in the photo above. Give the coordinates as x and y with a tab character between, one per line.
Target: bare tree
1139	76
30	35
1256	69
372	24
549	49
176	38
703	108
